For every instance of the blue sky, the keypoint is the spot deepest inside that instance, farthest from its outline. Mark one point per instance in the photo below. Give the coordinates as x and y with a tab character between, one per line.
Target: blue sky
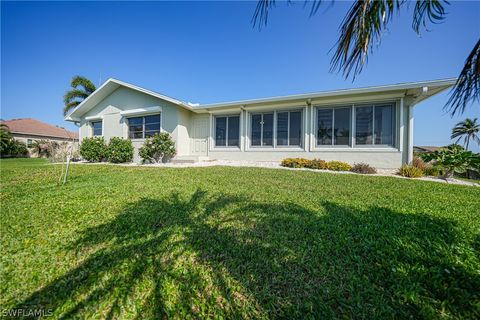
207	52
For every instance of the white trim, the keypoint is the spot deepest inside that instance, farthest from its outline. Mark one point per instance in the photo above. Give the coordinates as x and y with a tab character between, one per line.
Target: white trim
141	111
441	84
394	87
94	118
410	134
402	126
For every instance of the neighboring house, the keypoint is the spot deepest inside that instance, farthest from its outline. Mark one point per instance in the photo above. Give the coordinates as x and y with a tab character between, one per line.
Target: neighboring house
372	125
29	130
425	149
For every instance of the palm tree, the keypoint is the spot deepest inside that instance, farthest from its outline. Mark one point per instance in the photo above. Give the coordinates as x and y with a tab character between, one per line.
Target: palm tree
362	30
466	129
81	89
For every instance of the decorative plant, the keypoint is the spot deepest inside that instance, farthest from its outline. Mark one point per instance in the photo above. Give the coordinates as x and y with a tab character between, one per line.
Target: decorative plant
453	159
119	150
295	163
410	171
338	166
43	148
158	148
93	149
363	168
317	164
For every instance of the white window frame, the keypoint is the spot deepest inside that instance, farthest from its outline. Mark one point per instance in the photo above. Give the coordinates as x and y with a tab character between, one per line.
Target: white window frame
275	146
93	130
353	129
226	146
394	126
315	131
143	124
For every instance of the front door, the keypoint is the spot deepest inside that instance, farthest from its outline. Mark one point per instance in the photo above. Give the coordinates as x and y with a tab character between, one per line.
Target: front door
199	145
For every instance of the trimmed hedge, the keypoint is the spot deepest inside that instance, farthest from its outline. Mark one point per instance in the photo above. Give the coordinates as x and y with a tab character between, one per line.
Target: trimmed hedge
93	149
338	166
315	164
119	150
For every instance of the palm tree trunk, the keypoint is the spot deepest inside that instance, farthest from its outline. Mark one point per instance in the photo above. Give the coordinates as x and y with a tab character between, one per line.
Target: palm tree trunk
468	140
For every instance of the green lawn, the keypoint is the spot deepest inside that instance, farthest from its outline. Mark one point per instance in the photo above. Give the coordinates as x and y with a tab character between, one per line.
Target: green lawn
219	242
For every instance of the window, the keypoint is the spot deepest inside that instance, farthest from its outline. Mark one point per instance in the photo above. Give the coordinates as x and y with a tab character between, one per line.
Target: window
374	125
262	129
97	128
29	143
227	131
333	126
289	128
143	127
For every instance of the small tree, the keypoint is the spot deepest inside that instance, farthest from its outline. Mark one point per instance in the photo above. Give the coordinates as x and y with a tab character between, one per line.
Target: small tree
453	159
158	148
119	150
93	149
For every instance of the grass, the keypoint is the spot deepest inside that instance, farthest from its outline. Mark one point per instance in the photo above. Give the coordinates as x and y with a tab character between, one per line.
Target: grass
219	242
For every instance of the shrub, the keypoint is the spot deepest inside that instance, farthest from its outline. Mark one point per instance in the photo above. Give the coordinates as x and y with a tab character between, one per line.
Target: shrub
160	147
410	171
432	171
119	150
420	164
93	149
317	164
64	149
338	166
18	149
363	168
453	159
295	163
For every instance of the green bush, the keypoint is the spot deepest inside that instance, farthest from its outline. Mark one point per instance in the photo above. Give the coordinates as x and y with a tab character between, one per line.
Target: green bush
119	150
432	171
410	171
363	168
93	149
317	164
160	147
338	166
18	149
295	163
453	159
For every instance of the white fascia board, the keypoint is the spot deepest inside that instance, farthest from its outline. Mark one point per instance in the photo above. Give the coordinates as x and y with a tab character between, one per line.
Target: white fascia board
97	117
343	92
140	111
85	102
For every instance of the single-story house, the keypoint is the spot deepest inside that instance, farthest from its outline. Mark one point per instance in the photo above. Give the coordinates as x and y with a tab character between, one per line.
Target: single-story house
372	124
28	130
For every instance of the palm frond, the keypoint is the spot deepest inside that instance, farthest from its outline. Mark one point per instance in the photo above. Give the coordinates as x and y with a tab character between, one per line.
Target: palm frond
467	87
428	10
84	82
69	106
361	30
260	16
74	94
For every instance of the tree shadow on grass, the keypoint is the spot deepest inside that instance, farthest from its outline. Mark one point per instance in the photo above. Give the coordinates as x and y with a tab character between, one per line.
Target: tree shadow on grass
222	255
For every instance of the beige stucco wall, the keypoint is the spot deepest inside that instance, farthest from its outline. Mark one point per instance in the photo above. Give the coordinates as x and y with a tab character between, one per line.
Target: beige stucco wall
25	137
174	120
